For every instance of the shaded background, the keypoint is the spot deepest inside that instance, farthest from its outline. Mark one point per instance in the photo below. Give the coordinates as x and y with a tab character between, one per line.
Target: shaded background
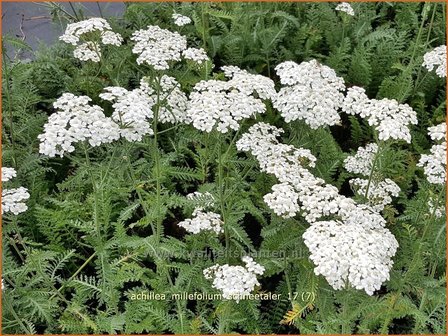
33	23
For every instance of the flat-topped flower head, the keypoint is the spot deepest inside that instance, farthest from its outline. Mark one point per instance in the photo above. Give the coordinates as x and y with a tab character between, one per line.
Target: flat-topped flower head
157	47
173	102
434	164
203	221
351	254
283	200
13	199
76	121
88	51
436	59
80	34
391	119
222	105
180	20
346	8
197	55
132	111
362	161
380	193
235	282
8	174
250	83
313	93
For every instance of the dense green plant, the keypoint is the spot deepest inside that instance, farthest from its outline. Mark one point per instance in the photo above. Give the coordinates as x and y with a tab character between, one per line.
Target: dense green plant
102	222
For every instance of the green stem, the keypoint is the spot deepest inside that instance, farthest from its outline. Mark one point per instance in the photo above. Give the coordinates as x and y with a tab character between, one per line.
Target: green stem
346	330
139	195
179	308
74	11
95	191
157	162
372	171
76	273
221	196
417	84
18	319
288	281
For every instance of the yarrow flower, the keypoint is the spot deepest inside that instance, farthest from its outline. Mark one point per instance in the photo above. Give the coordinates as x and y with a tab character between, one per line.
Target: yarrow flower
203	221
221	105
180	20
156	46
314	93
391	119
362	161
379	193
235	282
318	201
196	55
173	102
89	51
351	252
84	32
436	59
8	174
434	164
12	199
75	121
346	8
132	110
283	200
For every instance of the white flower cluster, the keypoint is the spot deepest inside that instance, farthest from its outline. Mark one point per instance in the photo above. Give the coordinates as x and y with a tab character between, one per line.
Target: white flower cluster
436	59
12	199
173	102
434	164
88	51
203	221
221	105
248	83
351	252
362	161
318	201
346	8
379	193
235	282
197	55
180	20
391	119
132	110
314	93
83	31
283	200
8	174
156	46
76	121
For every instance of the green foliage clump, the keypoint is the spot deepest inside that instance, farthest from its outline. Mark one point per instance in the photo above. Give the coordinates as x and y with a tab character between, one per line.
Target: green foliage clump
102	222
